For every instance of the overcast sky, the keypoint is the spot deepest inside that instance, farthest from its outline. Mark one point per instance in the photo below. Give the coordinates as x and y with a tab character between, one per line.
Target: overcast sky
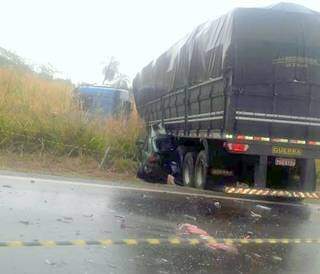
76	36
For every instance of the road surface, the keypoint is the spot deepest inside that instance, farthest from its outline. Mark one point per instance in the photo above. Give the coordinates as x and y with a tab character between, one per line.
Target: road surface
40	209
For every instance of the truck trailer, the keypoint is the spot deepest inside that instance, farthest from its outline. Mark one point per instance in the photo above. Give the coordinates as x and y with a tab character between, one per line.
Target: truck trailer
237	101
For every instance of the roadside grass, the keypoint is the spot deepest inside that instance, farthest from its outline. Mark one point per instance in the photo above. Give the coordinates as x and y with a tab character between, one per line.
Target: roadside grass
40	116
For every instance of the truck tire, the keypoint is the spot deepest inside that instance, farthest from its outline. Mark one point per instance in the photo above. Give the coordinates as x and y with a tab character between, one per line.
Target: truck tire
140	172
188	169
308	175
201	170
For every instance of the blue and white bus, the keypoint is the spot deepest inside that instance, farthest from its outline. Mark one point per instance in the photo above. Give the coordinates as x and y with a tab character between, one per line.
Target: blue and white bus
103	100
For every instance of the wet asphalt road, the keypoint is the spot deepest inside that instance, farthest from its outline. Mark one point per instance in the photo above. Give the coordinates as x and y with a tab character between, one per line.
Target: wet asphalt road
40	209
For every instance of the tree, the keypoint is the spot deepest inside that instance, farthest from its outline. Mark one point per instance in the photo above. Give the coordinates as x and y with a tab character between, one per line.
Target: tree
110	70
12	60
121	81
112	76
47	71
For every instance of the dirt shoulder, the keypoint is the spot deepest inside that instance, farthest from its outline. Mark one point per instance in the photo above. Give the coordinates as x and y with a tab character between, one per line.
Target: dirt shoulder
61	166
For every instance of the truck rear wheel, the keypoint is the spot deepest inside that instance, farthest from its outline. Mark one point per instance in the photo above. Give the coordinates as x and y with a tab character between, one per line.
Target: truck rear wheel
201	170
188	169
308	175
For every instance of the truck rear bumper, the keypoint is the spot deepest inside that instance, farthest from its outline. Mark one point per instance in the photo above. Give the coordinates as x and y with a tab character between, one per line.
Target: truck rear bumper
272	193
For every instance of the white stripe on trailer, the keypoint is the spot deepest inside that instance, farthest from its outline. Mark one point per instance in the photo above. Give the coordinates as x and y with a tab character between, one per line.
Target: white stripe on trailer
174	118
206	114
300	142
271	115
280	140
206	119
174	122
242	118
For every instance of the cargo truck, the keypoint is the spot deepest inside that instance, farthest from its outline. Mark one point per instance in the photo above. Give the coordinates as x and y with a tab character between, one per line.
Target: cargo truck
236	101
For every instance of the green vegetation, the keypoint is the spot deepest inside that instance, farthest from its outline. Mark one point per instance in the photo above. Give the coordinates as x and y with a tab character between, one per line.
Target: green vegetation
40	115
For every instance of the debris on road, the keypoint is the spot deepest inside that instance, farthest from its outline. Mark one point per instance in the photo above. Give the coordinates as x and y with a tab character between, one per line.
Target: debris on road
248	235
123	224
111	265
225	247
189	229
66	220
255	215
170	180
122	221
50	263
277	258
90	261
55	264
192	229
32	181
88	215
25	222
190	217
7	186
263	207
143	196
217	205
161	261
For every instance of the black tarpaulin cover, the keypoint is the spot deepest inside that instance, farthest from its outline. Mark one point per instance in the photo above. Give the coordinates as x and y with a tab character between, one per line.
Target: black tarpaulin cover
259	46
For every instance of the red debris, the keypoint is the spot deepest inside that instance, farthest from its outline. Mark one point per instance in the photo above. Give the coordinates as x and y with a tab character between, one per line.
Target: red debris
192	229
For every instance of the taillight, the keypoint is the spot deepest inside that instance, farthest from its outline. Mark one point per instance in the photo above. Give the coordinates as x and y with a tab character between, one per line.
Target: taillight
237	148
153	158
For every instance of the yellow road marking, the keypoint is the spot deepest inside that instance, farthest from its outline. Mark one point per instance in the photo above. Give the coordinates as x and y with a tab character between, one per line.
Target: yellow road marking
153	241
243	241
174	241
194	241
15	244
48	243
211	240
105	242
228	241
130	241
79	242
